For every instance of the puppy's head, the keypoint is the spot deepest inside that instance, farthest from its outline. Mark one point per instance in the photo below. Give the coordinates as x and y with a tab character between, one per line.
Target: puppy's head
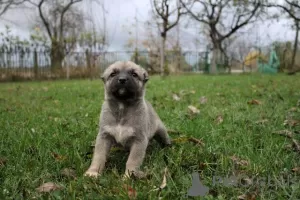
125	80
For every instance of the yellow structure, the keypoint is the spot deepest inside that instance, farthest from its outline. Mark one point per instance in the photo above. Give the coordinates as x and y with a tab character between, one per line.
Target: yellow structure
252	58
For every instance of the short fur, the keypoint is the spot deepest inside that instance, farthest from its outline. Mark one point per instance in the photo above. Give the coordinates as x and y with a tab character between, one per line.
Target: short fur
126	118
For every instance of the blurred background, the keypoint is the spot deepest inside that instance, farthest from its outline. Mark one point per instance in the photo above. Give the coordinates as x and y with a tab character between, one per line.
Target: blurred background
50	39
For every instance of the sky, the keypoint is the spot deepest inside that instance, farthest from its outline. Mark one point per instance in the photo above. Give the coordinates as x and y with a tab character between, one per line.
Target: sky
121	19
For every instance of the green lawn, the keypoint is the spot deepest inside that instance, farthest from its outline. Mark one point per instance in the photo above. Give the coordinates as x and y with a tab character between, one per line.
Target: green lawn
46	127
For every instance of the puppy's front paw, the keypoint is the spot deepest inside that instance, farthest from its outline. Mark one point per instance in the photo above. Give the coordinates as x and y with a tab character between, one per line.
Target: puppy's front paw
92	174
135	174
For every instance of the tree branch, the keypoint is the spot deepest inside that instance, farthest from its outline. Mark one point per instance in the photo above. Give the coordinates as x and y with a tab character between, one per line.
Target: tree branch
192	14
7	4
45	22
65	9
245	22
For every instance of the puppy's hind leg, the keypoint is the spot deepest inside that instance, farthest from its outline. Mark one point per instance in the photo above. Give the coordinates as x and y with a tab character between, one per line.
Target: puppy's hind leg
161	136
102	148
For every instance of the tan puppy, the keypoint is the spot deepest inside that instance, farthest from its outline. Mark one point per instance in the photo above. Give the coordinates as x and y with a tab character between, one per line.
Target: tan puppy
126	118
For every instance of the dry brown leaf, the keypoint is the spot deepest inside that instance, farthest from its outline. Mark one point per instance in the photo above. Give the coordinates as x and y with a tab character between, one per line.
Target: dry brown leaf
293	109
254	102
247	197
219	119
58	157
286	133
242	197
239	161
69	173
247	181
196	141
296	145
164	182
296	170
203	100
176	97
45	89
193	109
291	122
132	194
48	187
3	161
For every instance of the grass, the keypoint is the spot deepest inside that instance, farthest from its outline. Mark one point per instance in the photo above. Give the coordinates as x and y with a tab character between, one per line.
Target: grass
48	126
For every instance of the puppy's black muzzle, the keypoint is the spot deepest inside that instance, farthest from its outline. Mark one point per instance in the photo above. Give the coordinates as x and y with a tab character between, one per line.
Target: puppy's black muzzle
122	79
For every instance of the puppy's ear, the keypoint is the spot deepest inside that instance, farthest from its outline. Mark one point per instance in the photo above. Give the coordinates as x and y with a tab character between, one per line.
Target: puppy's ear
146	76
103	78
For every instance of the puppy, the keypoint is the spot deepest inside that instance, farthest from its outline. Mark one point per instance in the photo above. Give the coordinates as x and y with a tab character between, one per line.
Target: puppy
126	118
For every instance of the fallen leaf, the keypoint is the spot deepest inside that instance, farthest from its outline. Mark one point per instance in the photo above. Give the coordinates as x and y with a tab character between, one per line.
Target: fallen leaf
254	102
286	133
247	181
132	194
219	119
69	173
293	109
193	109
288	146
176	97
296	145
203	100
45	89
164	182
291	122
239	161
296	170
48	187
248	196
196	141
58	157
3	161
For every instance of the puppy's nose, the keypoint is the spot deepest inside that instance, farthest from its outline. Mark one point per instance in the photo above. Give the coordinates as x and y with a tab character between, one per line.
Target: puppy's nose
122	80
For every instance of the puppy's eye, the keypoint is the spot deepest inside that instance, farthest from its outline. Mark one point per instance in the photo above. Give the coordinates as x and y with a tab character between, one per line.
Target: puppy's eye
113	74
134	74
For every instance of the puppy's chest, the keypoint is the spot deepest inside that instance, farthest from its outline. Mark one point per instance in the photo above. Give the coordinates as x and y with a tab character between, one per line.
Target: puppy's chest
121	133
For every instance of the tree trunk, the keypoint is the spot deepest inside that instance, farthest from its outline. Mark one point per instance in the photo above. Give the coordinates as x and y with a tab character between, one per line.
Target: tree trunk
88	63
57	56
162	55
35	63
214	60
295	45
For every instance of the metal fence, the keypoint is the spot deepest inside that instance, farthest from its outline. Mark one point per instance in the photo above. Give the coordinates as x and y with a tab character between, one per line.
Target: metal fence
33	64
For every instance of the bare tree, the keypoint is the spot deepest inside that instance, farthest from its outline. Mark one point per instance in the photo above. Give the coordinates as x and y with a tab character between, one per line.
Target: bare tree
61	21
216	15
164	10
5	5
292	8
